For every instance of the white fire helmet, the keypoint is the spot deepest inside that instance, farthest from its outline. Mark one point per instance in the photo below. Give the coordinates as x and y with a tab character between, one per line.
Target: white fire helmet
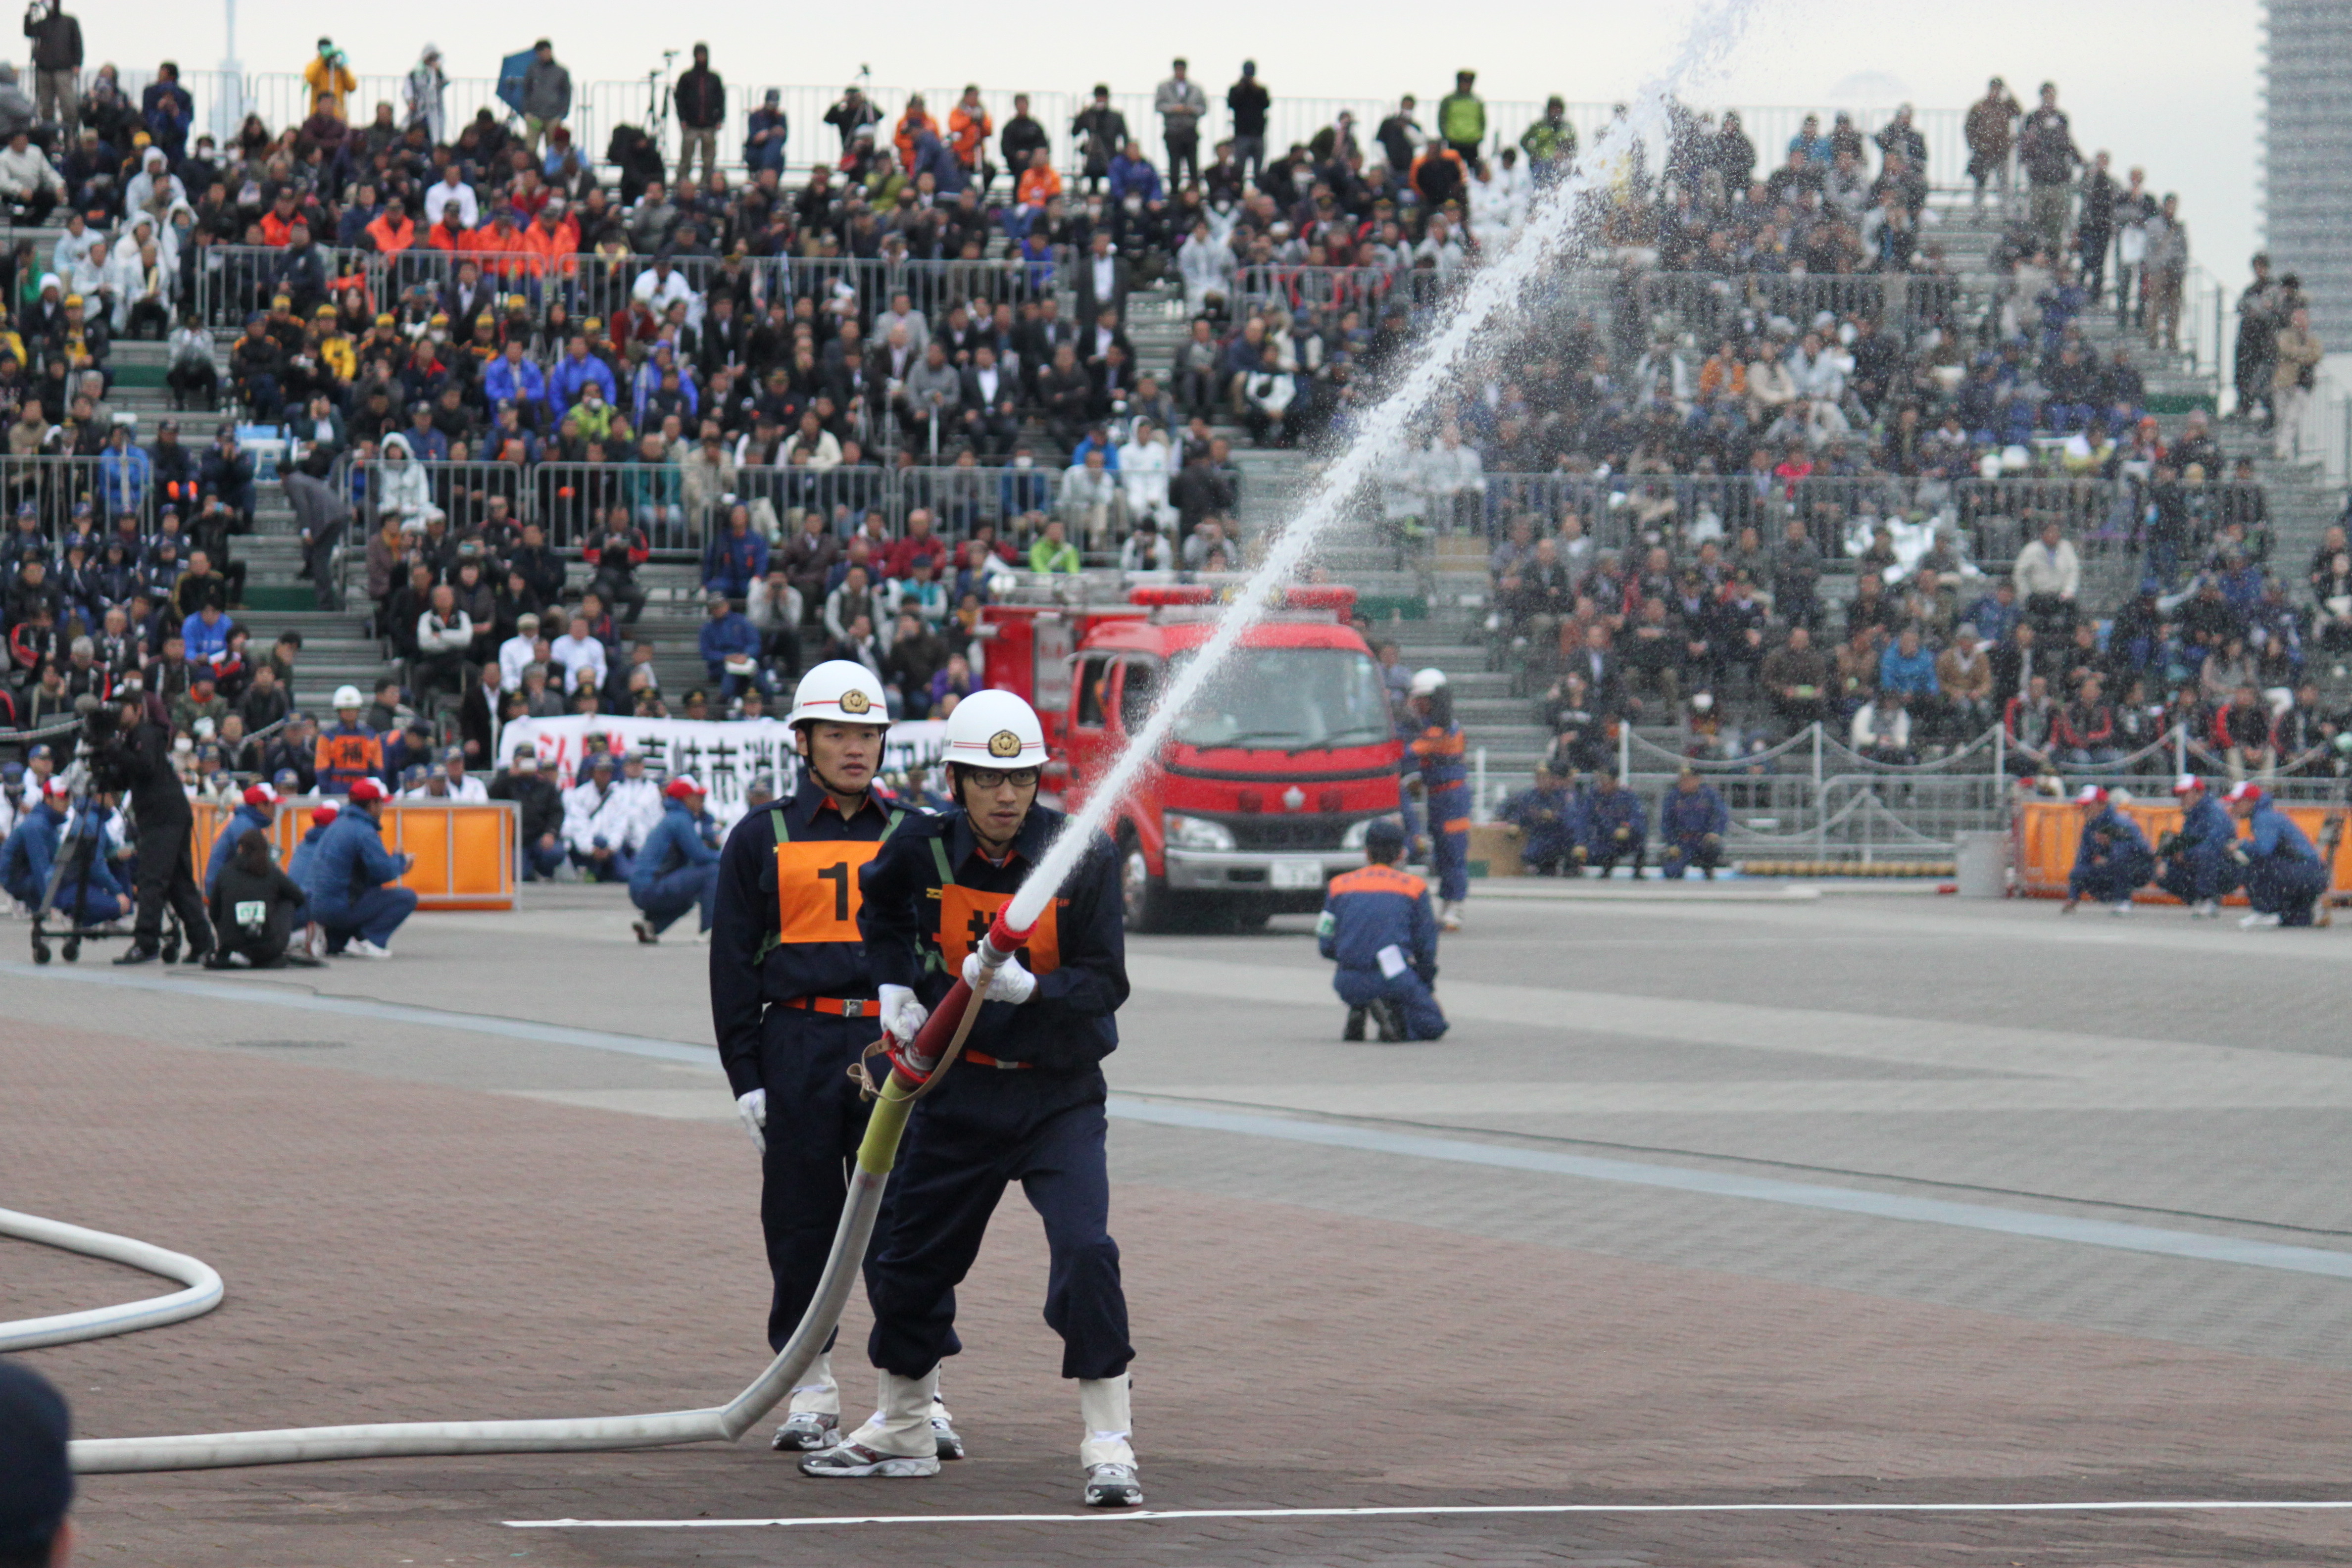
839	691
994	729
1425	682
347	697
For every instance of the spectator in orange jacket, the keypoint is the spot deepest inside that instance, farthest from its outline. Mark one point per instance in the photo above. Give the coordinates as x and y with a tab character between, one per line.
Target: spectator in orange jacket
450	233
392	229
552	242
911	126
968	128
1039	184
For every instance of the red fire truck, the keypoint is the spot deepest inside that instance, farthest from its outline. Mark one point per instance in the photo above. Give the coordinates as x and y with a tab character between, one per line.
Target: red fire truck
1272	777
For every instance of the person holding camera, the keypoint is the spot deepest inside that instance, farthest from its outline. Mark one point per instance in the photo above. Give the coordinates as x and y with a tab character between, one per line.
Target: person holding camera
136	754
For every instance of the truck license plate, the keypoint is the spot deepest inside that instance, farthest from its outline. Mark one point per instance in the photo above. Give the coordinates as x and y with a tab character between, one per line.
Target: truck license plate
1296	873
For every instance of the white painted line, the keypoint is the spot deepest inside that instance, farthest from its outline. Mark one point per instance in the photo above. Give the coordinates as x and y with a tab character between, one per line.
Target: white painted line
2198	1246
1106	1516
2194	1245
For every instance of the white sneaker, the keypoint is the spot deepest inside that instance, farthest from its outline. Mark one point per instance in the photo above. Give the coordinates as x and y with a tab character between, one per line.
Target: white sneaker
2122	909
2206	910
2255	922
1113	1486
856	1461
1449	917
314	941
360	947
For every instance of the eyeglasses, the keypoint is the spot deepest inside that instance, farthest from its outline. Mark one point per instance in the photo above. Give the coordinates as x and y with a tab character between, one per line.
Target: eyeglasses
988	778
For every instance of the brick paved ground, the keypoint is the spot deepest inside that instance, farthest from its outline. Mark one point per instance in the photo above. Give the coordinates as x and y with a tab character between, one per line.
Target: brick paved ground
399	1249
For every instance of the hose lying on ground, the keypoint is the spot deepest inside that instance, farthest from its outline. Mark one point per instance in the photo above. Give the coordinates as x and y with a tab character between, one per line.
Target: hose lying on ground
202	1295
940	1040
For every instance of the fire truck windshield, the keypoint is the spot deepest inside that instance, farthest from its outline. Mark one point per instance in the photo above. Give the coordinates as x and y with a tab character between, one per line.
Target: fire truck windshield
1289	698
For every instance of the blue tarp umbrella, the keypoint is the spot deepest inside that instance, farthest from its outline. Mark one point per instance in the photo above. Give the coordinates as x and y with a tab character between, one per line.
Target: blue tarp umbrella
510	75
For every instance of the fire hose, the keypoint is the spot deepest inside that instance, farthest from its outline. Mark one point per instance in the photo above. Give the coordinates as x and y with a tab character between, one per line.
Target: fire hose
940	1040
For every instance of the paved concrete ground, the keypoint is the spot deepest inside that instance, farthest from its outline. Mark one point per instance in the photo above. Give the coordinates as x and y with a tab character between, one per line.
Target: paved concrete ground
477	1181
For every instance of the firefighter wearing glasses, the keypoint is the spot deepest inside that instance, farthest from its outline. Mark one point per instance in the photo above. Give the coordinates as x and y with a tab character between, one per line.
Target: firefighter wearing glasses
1025	1104
794	1004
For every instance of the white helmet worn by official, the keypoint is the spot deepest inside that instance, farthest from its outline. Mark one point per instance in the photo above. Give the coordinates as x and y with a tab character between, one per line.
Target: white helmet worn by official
347	697
839	691
1425	682
994	729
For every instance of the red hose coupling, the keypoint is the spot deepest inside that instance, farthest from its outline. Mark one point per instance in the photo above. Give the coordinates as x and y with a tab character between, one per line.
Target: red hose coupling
1002	939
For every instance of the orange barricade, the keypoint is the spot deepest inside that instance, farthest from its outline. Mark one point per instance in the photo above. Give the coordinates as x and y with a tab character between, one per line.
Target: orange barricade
2045	833
465	854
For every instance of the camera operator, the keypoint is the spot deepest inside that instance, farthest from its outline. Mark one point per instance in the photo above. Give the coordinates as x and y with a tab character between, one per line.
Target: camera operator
134	754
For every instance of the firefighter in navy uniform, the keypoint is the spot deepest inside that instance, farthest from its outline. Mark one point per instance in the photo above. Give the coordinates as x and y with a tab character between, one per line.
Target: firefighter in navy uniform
2197	864
794	1004
2285	877
2112	859
1437	749
1025	1104
1377	926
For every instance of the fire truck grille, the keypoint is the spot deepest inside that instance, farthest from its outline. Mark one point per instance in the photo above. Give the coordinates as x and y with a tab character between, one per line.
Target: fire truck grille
1306	830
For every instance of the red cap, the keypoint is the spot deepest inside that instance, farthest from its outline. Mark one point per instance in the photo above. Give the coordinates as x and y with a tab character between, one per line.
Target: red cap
364	791
54	787
264	794
2245	792
2187	784
2090	794
324	813
682	786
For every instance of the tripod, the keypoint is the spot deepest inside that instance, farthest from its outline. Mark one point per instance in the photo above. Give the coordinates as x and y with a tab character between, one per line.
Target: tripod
78	851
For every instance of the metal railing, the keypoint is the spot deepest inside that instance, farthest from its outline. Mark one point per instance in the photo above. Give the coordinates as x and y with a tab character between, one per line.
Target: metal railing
233	280
1990	519
53	485
679	509
283	98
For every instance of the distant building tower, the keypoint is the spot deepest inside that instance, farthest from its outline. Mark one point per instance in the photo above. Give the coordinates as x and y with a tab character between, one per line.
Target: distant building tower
2306	200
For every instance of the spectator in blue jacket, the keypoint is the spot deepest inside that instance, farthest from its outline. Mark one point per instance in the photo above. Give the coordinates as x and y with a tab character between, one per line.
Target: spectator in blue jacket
304	864
258	809
2196	864
30	853
206	634
167	111
1908	667
353	898
1378	927
576	369
1620	827
125	473
730	649
511	378
1550	819
1692	821
678	869
2286	878
2112	859
736	557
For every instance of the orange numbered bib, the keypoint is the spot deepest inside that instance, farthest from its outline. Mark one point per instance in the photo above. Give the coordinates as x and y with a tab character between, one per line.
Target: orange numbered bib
965	914
817	896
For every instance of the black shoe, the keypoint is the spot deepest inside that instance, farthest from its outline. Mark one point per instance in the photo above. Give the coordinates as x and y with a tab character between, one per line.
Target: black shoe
138	955
1390	1020
1355	1029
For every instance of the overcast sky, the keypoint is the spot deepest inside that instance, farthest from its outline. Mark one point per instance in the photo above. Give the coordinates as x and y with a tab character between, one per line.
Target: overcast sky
2169	84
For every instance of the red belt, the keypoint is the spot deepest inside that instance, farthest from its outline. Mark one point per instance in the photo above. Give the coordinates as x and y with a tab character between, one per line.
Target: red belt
982	1060
840	1006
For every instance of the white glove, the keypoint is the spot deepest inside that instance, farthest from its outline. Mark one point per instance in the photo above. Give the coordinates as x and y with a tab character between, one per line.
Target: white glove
753	1109
1013	984
902	1016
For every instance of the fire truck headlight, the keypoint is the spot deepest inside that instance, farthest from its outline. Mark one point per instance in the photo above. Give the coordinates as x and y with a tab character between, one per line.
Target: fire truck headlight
1197	833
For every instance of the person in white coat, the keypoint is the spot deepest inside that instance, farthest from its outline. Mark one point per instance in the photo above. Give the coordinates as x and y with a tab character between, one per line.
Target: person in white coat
1453	477
402	487
71	261
126	279
153	188
644	796
1206	263
1143	469
596	823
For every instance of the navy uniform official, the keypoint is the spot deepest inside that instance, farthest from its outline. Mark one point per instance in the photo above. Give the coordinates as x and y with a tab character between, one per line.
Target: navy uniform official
1378	927
1438	751
794	1004
2286	878
1550	820
1692	821
2197	864
1025	1103
1617	827
2112	859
